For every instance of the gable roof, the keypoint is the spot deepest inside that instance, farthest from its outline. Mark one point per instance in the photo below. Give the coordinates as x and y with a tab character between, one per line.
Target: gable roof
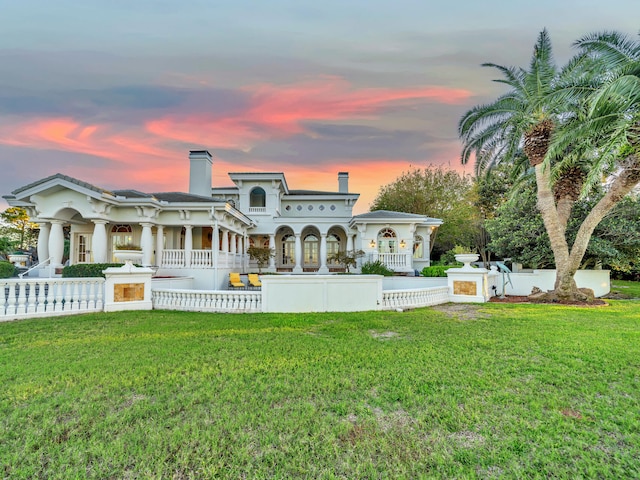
388	215
60	176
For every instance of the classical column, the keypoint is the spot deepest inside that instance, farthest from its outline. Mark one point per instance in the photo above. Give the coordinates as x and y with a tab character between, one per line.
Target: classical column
43	242
272	245
298	267
234	243
146	242
323	254
99	241
215	244
225	241
349	243
56	243
188	244
159	244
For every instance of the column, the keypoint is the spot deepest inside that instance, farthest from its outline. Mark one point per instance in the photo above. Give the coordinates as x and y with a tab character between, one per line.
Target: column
56	243
146	242
323	254
99	241
215	244
43	242
350	243
298	267
272	245
188	244
225	241
233	247
159	244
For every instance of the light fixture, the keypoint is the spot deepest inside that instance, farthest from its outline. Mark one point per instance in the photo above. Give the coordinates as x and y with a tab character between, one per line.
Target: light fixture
403	244
372	243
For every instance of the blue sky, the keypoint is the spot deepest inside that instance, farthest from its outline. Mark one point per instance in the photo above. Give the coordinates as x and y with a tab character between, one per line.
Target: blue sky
116	93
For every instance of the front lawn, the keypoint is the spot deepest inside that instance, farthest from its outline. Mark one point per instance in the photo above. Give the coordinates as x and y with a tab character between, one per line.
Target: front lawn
457	391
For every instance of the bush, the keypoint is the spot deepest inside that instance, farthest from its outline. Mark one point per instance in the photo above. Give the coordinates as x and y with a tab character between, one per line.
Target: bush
7	269
87	269
376	268
436	270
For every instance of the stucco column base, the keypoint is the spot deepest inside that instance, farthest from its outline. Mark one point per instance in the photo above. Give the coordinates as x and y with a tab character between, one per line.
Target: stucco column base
297	269
323	270
468	285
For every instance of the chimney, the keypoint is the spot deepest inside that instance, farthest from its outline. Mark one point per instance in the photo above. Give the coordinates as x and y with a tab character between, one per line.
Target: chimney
343	182
200	172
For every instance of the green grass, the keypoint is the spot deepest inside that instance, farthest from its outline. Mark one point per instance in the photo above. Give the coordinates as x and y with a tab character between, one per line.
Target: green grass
627	288
491	391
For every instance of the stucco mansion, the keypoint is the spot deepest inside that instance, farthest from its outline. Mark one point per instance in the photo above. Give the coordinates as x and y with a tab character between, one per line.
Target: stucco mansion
206	233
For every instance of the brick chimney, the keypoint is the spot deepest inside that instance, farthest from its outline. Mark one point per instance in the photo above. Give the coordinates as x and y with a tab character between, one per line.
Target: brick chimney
200	163
343	182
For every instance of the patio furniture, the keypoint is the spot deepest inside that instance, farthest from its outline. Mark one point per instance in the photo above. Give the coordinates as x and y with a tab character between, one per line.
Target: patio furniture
234	281
254	280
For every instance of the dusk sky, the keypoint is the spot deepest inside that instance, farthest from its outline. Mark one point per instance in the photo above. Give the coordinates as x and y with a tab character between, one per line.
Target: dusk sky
117	92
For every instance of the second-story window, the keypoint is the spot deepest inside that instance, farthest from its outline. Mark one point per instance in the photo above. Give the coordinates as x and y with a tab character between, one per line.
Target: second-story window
258	197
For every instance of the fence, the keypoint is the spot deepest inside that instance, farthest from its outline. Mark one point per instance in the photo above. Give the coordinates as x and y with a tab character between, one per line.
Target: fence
207	300
45	297
415	297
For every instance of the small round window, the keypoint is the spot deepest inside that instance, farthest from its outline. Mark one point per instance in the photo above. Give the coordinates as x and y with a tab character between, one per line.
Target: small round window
288	208
321	207
299	207
310	207
332	207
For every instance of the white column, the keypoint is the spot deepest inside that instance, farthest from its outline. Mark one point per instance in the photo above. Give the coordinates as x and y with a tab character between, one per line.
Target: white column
215	243
188	244
349	242
56	243
99	241
159	244
323	254
272	245
225	241
43	242
298	267
234	243
146	242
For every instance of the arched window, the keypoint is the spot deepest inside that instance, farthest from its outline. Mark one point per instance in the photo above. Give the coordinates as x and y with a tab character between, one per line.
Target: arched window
387	241
333	246
311	249
258	198
289	250
418	247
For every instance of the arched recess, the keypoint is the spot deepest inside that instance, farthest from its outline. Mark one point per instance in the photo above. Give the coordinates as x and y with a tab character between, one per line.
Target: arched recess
418	247
257	198
336	242
310	248
285	248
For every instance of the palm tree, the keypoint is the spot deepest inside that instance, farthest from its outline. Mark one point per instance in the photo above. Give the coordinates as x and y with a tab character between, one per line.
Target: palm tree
567	126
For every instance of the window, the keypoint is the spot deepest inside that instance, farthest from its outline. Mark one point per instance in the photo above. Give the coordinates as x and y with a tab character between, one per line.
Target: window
387	241
333	246
288	250
311	249
418	247
258	198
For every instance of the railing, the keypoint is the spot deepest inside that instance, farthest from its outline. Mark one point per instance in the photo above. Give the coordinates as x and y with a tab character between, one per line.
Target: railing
37	265
201	259
394	260
207	300
257	209
45	297
173	259
415	297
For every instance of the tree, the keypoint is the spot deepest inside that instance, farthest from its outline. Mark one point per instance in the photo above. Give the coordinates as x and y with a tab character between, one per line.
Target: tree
570	126
435	192
346	258
18	227
261	255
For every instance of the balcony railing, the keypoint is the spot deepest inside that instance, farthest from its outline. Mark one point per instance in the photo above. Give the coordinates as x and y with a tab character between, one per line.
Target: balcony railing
173	258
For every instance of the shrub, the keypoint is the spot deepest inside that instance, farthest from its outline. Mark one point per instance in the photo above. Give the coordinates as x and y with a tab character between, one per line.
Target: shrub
376	268
7	269
435	271
87	269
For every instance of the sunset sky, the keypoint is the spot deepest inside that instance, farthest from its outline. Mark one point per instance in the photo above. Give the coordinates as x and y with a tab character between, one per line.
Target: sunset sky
117	92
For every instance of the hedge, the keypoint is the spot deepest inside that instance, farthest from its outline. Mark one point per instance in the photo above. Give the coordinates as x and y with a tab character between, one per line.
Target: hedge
87	269
375	268
436	270
7	269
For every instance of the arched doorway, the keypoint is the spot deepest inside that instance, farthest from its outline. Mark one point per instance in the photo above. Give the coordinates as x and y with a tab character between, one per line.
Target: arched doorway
285	249
310	249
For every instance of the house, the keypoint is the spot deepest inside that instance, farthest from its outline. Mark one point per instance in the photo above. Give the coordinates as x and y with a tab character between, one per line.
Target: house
205	233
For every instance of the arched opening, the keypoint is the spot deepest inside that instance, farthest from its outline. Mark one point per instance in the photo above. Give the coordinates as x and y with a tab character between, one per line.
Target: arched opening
418	247
257	198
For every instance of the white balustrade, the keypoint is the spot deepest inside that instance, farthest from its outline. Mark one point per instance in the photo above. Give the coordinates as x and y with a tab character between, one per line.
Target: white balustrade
394	260
44	297
173	258
415	297
257	209
201	259
207	300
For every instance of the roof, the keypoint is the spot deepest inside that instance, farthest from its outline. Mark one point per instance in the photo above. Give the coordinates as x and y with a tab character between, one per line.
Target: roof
180	197
317	192
390	215
131	194
61	177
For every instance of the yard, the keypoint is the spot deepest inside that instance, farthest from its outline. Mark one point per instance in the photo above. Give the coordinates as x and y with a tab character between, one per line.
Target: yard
456	391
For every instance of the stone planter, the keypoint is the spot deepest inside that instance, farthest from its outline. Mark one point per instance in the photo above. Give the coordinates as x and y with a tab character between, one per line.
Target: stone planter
132	256
18	259
467	258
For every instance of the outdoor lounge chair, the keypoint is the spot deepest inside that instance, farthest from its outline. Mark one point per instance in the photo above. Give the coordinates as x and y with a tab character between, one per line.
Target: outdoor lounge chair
254	280
234	280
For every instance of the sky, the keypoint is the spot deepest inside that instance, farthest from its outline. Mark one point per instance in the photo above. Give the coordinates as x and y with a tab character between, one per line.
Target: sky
117	92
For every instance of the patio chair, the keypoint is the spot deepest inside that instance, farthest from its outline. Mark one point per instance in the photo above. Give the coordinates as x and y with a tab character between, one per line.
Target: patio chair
234	280
254	280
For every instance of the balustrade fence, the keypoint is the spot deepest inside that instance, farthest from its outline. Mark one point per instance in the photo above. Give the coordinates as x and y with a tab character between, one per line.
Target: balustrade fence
415	297
173	258
207	300
45	297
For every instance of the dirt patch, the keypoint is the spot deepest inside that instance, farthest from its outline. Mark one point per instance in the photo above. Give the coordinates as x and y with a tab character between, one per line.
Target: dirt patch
598	302
461	311
383	335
